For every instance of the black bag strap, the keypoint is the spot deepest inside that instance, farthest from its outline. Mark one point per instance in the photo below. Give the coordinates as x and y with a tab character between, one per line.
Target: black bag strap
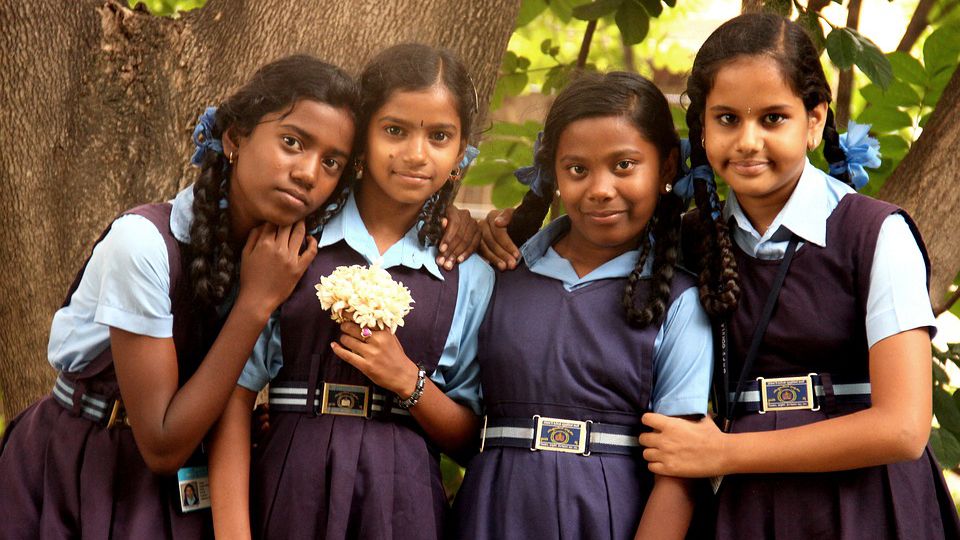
758	334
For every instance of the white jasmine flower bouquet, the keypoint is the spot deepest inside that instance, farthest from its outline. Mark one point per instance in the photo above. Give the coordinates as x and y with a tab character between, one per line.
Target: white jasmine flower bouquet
367	296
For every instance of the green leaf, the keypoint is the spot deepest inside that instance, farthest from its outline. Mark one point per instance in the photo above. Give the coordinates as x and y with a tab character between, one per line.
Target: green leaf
811	23
509	62
940	50
670	3
507	192
780	7
945	409
955	309
940	375
597	9
885	119
907	68
893	146
545	46
529	10
563	9
633	22
935	88
509	85
488	172
523	63
922	123
653	7
873	63
843	47
556	78
898	94
946	447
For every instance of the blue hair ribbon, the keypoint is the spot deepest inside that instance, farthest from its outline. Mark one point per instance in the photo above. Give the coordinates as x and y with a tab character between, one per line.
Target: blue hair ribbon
470	153
533	176
203	136
861	151
683	186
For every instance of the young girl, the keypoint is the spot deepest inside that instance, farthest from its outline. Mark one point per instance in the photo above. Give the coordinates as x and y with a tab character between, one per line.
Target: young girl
594	328
823	302
358	417
147	355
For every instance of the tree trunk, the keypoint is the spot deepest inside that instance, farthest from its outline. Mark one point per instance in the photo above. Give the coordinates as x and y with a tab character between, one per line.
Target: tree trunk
925	185
918	23
97	103
845	84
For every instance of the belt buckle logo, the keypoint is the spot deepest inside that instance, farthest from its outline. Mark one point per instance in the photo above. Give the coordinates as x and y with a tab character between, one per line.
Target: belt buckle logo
345	399
787	394
560	435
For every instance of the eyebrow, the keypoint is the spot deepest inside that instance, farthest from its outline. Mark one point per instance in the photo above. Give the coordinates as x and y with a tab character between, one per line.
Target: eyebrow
405	123
617	153
776	106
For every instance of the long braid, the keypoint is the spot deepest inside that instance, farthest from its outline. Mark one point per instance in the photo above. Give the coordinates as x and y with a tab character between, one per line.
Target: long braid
433	212
528	217
718	281
211	257
666	233
832	150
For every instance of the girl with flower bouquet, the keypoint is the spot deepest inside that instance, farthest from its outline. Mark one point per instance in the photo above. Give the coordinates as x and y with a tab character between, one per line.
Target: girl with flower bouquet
820	301
359	414
147	345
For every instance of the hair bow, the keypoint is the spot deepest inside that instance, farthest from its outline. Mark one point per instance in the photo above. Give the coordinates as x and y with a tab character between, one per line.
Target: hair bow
861	151
539	181
686	176
470	153
203	136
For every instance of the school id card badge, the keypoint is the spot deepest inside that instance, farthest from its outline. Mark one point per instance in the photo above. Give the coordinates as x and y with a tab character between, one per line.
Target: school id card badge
194	488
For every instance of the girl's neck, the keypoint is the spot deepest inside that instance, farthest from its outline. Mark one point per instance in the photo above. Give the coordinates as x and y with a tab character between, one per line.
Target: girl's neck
386	220
762	210
585	256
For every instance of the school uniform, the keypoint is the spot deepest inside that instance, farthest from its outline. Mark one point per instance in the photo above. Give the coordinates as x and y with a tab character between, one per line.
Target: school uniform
555	345
342	460
858	276
69	464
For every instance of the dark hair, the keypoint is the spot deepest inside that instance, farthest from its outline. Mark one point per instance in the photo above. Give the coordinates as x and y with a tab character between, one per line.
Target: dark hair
787	44
276	86
616	94
412	67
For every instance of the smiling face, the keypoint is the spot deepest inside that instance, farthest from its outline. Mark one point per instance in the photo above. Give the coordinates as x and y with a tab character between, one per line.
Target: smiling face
413	143
757	131
289	164
610	177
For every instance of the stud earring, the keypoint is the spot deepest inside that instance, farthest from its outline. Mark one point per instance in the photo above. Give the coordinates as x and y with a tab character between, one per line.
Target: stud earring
668	187
455	174
359	170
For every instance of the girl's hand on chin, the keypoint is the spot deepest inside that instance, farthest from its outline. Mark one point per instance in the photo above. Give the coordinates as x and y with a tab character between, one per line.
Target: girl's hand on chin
272	263
683	448
379	356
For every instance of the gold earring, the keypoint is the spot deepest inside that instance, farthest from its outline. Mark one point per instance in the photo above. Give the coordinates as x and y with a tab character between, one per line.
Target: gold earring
358	168
455	174
232	157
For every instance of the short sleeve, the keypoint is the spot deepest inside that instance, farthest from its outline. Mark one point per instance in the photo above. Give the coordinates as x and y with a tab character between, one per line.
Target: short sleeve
458	374
133	270
898	299
683	359
266	359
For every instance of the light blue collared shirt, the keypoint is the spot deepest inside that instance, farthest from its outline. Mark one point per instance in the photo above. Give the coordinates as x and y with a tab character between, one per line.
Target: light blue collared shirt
457	374
683	348
126	285
897	300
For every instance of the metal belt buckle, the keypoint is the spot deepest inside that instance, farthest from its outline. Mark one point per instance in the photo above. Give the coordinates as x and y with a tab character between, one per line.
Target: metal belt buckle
118	415
560	435
345	399
787	394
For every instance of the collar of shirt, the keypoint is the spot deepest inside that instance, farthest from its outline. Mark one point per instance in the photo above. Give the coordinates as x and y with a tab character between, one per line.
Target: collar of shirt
542	259
348	226
181	217
805	214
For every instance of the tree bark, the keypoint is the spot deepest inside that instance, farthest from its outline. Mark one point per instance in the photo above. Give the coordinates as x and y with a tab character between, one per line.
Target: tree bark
924	184
97	103
845	84
916	26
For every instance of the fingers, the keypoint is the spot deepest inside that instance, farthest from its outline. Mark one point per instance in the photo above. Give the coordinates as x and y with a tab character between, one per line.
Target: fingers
655	421
350	328
347	355
495	245
503	218
252	239
453	229
309	253
296	235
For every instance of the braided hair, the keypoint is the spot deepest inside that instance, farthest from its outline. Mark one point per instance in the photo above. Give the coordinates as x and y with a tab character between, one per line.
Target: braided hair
633	97
412	67
787	44
277	86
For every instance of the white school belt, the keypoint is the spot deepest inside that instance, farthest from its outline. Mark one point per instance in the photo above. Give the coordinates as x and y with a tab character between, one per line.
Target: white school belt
537	432
94	407
336	399
805	392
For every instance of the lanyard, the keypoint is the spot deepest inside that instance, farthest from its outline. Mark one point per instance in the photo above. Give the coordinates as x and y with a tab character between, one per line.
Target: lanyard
758	333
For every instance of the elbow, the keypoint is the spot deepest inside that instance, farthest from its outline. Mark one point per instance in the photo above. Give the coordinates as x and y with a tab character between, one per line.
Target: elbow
909	442
163	463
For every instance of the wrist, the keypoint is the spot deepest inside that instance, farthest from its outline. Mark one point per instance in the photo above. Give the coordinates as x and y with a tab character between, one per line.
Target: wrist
256	311
726	454
413	397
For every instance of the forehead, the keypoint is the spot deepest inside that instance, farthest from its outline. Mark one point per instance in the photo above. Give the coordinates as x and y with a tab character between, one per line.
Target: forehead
433	105
596	135
318	120
751	81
